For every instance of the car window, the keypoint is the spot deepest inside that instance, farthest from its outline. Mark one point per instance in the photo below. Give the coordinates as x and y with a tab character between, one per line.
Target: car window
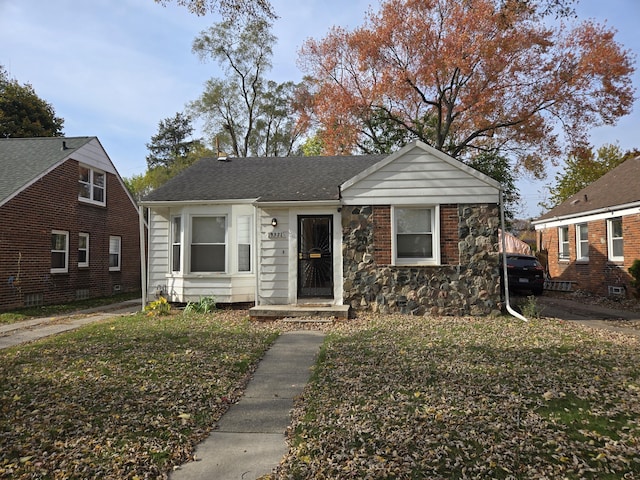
522	262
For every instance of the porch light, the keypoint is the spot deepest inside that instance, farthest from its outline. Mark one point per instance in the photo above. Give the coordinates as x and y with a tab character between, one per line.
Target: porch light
274	222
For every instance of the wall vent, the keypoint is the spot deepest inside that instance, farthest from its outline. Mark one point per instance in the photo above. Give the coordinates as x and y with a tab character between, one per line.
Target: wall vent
613	290
117	288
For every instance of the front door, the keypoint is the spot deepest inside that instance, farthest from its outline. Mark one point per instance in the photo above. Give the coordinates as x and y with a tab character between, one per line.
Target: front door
315	256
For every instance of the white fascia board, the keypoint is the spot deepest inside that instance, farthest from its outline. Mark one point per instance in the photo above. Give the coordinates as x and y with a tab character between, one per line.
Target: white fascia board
177	203
600	214
298	203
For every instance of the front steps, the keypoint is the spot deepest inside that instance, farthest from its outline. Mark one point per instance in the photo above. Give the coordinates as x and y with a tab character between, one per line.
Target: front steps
300	313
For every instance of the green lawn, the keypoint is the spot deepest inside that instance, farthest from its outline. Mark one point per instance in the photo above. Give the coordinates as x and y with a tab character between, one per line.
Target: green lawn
414	398
127	398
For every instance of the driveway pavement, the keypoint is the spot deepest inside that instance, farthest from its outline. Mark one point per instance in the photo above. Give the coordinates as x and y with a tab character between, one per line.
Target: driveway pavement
592	315
35	328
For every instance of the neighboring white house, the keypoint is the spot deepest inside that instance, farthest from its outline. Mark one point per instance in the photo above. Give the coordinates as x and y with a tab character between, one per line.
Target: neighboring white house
415	231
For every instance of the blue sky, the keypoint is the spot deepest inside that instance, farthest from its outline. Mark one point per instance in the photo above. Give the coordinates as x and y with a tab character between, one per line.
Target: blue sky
115	68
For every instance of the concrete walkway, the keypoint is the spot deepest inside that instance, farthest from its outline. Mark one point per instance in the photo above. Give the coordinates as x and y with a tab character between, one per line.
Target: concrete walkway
29	330
249	440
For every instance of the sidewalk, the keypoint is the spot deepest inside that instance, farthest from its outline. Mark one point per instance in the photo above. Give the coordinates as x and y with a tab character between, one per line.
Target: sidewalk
249	441
40	327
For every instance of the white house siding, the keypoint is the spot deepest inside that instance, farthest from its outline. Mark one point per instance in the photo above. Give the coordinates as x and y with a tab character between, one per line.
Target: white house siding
278	249
273	256
93	155
420	176
225	287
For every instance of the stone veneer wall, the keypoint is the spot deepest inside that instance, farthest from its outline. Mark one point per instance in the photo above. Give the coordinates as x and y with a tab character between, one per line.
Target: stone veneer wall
468	282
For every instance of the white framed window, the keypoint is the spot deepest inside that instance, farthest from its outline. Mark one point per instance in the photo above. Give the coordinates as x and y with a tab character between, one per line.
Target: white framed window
83	250
582	242
92	185
115	248
615	241
563	242
243	239
176	244
59	251
415	238
208	244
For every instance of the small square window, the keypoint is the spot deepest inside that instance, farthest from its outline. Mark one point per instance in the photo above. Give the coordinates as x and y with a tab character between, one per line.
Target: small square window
415	235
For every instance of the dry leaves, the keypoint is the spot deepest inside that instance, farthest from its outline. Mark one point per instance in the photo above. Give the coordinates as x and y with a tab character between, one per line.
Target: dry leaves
406	397
123	399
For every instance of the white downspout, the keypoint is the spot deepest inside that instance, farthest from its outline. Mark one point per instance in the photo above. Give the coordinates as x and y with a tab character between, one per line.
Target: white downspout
504	262
143	257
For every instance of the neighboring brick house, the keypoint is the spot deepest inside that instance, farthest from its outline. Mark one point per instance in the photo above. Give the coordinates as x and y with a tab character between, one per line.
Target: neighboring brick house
413	232
69	228
593	237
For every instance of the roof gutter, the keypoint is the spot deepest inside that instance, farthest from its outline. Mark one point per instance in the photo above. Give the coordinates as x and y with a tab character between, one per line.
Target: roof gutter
504	262
559	218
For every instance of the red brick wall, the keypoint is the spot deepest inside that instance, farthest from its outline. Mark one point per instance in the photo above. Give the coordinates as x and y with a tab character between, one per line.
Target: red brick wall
598	273
382	234
52	203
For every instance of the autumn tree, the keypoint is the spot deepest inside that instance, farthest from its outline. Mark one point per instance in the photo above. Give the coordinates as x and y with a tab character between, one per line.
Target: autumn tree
23	113
582	168
245	112
228	9
466	77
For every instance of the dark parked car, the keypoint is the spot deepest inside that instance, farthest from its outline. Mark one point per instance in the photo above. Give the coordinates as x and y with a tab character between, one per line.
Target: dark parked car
525	272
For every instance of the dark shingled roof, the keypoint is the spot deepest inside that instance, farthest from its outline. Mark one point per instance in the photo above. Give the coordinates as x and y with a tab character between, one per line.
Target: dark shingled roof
269	179
620	186
23	160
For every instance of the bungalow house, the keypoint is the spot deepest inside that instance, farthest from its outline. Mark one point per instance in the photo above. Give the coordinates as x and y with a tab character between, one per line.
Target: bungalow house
68	226
414	232
593	237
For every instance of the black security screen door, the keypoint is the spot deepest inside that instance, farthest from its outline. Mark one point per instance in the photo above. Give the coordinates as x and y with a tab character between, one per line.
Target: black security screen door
315	256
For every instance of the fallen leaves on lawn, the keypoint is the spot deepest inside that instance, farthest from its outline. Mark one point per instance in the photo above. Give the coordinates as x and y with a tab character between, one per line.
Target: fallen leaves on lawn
128	398
407	397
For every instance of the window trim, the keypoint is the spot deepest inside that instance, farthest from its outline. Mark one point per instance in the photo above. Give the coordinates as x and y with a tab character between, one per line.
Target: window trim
435	236
563	240
611	238
582	245
65	269
226	245
249	243
118	267
86	249
174	243
91	184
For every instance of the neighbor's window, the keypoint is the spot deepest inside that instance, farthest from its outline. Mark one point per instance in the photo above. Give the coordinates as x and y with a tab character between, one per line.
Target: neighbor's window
208	244
83	249
415	235
176	243
563	242
582	242
92	185
59	251
114	253
244	243
615	240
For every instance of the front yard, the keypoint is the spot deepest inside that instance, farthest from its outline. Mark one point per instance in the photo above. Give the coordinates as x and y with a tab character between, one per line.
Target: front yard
391	397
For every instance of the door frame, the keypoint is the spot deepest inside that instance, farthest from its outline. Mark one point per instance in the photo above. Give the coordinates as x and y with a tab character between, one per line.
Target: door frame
311	257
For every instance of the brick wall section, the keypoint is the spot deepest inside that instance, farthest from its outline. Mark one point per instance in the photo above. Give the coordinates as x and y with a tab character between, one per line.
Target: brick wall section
598	273
382	235
52	204
449	220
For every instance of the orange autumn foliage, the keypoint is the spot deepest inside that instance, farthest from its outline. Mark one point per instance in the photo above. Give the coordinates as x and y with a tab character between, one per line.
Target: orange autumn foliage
466	76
